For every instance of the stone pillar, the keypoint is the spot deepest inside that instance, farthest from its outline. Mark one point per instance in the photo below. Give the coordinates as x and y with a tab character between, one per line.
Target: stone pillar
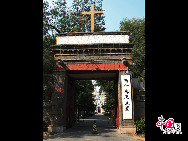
58	102
125	125
70	105
120	97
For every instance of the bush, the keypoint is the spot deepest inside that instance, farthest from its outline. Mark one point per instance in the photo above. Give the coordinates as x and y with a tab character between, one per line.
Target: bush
140	126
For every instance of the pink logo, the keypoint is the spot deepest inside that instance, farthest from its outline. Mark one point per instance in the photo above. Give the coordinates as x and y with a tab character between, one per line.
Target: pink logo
171	126
160	123
170	123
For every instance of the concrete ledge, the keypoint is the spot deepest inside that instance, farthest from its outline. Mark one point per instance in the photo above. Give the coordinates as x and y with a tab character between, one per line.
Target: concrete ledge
127	130
59	129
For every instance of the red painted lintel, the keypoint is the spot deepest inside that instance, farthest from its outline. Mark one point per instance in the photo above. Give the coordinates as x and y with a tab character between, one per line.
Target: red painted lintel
92	67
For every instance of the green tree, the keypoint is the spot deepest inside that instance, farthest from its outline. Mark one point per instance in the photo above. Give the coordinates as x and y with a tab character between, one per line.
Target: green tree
48	61
55	17
82	23
60	18
108	87
84	97
48	65
137	36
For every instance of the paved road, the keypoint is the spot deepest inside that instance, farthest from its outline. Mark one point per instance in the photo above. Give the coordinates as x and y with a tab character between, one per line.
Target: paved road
101	121
83	131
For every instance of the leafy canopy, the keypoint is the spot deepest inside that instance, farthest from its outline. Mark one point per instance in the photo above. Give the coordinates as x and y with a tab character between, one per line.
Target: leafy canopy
108	87
84	97
137	37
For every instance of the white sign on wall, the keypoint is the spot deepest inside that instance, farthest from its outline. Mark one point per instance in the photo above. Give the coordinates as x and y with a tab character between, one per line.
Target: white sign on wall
126	96
92	39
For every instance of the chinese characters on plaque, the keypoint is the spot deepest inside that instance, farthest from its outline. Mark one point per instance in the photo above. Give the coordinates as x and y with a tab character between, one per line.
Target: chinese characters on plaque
126	96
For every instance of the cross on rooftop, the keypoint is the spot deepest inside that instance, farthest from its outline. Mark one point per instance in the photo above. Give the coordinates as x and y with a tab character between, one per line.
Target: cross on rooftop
92	12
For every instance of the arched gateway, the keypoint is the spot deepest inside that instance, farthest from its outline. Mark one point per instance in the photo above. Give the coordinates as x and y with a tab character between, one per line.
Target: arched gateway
92	55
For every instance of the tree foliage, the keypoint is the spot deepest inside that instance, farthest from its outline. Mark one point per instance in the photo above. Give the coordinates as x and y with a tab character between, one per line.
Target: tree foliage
84	98
82	22
48	65
48	60
137	37
60	18
108	87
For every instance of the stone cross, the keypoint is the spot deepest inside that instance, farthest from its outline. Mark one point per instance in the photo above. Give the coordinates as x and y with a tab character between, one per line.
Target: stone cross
92	12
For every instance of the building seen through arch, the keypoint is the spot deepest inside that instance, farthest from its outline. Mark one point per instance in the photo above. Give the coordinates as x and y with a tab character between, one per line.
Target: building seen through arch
99	99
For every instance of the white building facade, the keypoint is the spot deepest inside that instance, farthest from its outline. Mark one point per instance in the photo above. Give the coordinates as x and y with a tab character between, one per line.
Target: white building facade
99	99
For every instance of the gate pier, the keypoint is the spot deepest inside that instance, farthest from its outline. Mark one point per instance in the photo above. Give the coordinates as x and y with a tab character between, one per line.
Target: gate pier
58	102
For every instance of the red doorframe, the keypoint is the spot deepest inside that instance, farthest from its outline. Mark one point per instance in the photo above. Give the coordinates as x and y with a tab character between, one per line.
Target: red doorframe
117	113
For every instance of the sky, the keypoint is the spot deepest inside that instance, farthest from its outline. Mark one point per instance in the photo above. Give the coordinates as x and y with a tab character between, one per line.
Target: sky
116	10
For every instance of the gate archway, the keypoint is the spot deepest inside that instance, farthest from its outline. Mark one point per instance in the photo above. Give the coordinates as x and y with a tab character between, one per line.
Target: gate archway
92	56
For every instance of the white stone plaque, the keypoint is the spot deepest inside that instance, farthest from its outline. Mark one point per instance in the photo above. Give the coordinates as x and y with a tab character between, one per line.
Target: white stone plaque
126	96
92	39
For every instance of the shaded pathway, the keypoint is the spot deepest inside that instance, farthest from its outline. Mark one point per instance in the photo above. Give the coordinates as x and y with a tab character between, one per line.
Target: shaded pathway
102	121
83	131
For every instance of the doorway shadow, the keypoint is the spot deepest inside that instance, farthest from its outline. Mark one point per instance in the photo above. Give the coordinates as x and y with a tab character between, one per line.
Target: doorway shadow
84	128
